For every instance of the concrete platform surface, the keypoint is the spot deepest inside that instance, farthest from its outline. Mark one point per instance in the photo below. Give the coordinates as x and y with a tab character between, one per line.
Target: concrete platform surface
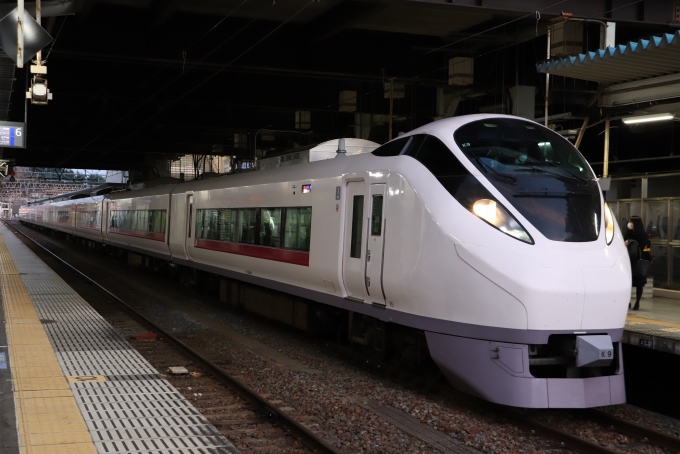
656	325
78	386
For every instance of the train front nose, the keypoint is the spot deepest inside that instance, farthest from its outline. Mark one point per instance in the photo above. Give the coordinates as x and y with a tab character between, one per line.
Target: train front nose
564	290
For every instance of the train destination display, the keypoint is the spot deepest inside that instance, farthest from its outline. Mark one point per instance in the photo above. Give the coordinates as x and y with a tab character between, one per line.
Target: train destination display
12	134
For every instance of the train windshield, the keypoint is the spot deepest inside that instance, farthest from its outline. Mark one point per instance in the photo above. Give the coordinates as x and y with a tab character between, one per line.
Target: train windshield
507	145
539	172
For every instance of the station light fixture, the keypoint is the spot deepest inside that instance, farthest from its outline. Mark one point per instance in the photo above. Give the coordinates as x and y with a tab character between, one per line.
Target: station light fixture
647	118
38	92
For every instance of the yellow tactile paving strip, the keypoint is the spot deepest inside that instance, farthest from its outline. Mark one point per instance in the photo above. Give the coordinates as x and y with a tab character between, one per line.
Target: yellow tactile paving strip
636	319
48	418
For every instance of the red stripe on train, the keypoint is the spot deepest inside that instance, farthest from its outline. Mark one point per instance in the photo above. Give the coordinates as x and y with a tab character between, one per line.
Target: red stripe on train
138	234
80	226
260	252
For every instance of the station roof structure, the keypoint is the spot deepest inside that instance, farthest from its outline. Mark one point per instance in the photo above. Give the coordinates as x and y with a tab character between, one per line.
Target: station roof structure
636	60
138	82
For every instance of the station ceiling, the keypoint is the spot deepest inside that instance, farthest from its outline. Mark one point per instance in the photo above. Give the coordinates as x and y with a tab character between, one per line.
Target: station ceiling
138	82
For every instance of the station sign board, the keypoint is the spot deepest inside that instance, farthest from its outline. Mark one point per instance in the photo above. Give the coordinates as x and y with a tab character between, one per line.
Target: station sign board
12	134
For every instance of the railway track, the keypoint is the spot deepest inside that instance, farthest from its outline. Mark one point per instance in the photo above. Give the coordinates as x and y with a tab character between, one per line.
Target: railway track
528	422
204	396
228	410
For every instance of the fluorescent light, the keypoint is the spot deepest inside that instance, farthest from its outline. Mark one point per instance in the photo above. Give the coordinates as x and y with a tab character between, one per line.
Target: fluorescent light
647	118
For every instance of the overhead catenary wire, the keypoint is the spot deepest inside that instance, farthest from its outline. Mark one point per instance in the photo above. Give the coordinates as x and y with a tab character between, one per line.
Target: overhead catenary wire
151	97
128	113
55	39
200	84
520	42
537	14
426	53
214	27
483	32
382	70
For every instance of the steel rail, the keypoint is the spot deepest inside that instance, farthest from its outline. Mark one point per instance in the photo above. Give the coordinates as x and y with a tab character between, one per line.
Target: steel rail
307	437
531	425
525	422
635	430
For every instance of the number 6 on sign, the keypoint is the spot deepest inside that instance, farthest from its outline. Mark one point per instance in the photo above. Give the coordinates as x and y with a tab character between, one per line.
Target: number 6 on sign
18	132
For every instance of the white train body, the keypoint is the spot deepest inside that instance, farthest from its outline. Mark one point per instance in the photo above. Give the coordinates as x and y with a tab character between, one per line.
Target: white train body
505	314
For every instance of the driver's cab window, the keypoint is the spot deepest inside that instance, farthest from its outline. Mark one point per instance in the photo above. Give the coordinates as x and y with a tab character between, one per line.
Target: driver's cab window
437	157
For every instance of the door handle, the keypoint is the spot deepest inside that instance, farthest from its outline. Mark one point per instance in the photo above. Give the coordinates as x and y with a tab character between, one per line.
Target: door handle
368	255
368	281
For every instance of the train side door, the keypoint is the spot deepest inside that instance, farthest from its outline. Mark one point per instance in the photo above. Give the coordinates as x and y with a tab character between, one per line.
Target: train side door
354	254
188	239
375	244
103	217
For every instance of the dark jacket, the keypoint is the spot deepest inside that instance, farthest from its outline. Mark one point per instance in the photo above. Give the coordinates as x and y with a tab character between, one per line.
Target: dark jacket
637	243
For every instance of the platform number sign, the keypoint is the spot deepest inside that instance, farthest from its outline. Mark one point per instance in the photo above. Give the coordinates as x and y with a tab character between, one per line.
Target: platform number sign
3	361
12	134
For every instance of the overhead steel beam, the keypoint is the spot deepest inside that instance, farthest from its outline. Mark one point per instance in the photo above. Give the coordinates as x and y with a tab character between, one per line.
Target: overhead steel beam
48	8
160	11
292	72
343	16
647	90
651	11
83	8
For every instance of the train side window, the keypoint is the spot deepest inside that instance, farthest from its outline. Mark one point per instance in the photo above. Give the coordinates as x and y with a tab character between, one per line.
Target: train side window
411	148
233	226
270	227
376	215
191	214
297	228
204	223
248	225
438	158
305	229
357	221
222	225
141	219
160	218
292	223
392	148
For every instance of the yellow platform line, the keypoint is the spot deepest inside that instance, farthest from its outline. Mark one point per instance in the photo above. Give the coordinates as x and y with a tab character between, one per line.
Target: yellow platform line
650	321
48	417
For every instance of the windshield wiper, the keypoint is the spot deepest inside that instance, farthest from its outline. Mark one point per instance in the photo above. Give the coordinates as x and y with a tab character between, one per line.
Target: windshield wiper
483	165
570	175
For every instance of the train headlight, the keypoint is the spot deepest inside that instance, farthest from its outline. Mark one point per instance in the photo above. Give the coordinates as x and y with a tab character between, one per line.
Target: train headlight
494	213
608	224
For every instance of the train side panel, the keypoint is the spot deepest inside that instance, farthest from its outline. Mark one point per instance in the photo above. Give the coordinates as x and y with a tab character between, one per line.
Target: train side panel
64	216
89	218
140	222
421	264
314	267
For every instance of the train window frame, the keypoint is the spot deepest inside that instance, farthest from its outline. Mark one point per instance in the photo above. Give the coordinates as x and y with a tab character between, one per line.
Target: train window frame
388	149
376	227
439	150
294	230
267	218
61	218
130	220
357	226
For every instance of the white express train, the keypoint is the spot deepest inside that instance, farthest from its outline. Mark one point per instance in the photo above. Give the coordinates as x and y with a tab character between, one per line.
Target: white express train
486	232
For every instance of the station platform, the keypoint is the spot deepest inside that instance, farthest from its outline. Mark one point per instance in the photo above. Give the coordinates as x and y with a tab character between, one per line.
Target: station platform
69	383
656	325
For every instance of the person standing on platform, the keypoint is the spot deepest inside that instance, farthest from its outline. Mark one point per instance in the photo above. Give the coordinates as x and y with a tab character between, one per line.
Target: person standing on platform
639	247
